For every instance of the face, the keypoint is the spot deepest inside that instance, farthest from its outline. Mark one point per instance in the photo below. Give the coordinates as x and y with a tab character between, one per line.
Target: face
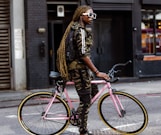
88	16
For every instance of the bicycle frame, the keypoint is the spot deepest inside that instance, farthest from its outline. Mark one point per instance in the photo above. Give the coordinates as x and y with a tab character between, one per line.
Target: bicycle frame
57	109
107	86
114	98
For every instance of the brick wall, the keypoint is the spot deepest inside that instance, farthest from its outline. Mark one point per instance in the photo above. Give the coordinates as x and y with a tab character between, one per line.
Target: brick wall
37	66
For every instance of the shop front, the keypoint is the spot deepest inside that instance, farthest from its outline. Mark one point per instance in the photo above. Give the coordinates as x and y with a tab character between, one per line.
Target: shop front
124	30
128	30
150	52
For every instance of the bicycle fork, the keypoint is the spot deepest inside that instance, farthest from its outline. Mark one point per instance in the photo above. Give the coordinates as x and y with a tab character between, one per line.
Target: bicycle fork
119	107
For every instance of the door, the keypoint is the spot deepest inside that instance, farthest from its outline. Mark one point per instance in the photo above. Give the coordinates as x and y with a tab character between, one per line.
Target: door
112	41
55	35
102	40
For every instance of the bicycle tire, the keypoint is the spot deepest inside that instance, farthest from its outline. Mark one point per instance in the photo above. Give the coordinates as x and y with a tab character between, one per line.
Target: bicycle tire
31	109
134	120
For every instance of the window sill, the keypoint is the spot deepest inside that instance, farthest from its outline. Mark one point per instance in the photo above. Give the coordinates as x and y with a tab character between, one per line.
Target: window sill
152	58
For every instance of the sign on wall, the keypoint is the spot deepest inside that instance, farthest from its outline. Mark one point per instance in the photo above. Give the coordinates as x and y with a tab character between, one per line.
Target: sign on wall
18	44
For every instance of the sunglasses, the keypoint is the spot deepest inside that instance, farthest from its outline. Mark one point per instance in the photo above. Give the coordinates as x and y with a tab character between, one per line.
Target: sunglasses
91	15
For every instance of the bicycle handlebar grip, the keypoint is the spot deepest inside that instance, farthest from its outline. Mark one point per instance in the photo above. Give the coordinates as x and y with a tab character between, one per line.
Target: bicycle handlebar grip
128	62
113	80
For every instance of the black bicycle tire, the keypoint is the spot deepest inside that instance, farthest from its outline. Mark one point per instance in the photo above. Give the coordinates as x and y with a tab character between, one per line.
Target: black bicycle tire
132	98
29	97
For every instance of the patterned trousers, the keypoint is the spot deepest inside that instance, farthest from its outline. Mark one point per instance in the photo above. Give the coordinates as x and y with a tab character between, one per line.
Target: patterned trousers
82	79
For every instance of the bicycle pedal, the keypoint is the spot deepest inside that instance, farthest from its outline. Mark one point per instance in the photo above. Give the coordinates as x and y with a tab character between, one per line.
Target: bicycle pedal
74	121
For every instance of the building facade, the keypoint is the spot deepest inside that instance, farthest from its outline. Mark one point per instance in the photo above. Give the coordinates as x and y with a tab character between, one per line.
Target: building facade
31	30
12	45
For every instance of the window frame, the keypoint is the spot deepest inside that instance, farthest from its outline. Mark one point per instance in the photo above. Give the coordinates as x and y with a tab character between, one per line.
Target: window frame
149	35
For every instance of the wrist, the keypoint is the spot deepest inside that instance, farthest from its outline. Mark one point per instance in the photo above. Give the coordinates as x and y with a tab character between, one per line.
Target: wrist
96	72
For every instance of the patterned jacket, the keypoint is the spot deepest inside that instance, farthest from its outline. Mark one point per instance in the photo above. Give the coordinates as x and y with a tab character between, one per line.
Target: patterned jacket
83	41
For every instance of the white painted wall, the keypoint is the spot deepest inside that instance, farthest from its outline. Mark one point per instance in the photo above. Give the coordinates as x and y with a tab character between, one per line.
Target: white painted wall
18	45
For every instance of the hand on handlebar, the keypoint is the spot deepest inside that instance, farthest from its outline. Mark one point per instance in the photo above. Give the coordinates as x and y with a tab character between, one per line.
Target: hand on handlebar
111	74
103	75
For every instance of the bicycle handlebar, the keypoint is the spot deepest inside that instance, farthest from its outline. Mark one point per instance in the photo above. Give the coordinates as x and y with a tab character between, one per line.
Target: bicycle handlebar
113	70
121	64
111	73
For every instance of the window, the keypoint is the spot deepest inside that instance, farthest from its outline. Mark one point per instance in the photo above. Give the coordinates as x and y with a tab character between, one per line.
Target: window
151	31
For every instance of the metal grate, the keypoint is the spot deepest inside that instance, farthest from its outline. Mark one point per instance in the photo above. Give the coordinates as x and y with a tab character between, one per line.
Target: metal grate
5	74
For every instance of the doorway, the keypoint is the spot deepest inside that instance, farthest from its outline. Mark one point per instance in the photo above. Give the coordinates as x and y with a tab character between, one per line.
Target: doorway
55	29
113	41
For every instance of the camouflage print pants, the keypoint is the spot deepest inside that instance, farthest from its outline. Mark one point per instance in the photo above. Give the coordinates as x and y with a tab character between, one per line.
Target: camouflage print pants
86	90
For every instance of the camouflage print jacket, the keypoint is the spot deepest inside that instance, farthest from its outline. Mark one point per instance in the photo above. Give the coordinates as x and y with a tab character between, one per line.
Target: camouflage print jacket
83	40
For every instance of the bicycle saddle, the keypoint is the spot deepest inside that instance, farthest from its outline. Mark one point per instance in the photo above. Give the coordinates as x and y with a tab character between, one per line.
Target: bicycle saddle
54	74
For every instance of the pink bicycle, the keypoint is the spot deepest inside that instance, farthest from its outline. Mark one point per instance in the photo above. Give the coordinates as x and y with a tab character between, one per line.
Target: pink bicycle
49	113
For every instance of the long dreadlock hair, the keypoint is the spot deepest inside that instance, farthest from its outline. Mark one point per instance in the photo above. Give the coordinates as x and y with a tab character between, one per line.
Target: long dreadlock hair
61	58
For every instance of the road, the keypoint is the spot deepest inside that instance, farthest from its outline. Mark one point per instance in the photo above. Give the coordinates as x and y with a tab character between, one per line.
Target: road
9	124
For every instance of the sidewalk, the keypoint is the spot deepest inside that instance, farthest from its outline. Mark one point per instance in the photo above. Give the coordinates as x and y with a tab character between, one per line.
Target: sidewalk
9	98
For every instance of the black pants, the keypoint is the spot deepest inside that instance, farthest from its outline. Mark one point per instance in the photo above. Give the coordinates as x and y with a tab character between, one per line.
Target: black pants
82	79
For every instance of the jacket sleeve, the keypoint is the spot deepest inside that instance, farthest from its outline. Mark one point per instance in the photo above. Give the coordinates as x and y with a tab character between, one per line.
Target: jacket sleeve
80	39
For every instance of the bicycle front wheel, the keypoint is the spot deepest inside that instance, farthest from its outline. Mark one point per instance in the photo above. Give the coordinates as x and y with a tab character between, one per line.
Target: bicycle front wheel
134	117
32	109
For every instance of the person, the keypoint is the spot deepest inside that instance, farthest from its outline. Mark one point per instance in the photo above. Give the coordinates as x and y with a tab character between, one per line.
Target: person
81	70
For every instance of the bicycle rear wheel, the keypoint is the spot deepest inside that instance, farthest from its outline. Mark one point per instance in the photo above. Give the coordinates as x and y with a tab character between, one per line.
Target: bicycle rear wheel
135	116
32	109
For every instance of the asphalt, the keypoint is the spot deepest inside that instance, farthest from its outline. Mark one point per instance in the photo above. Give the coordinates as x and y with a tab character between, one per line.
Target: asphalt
10	98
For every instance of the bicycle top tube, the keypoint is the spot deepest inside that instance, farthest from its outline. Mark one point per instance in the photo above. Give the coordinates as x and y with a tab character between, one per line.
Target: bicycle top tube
93	81
107	85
